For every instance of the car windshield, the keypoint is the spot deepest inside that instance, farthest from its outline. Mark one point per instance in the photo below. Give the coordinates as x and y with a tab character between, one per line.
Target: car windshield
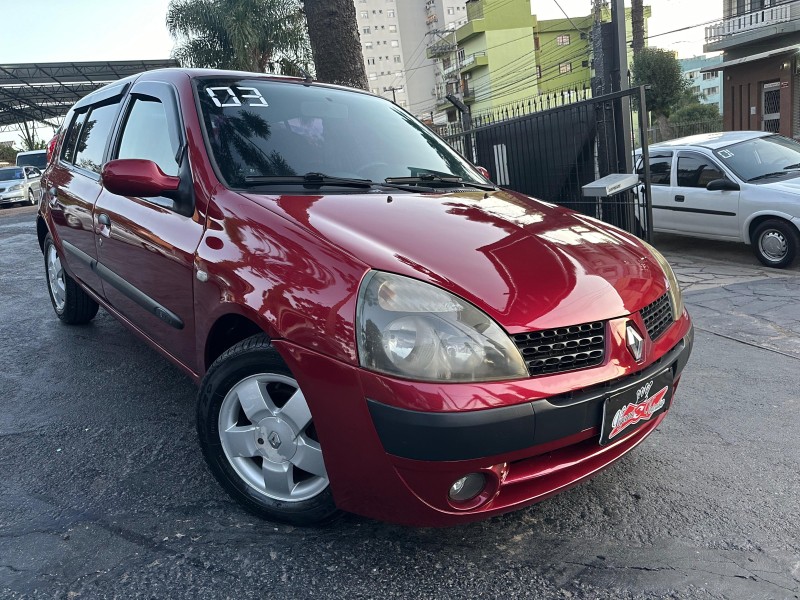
762	158
260	129
33	159
10	173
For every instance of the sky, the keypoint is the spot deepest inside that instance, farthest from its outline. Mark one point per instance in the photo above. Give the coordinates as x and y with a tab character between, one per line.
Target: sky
86	30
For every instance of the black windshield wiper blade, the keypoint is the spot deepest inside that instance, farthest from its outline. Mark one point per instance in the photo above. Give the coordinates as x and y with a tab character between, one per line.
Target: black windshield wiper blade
437	180
768	175
794	166
311	180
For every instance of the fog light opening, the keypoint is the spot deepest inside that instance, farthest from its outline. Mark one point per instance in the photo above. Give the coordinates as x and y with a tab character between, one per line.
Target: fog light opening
468	487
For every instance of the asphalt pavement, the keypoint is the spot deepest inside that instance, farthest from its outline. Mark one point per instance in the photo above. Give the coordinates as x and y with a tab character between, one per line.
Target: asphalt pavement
105	494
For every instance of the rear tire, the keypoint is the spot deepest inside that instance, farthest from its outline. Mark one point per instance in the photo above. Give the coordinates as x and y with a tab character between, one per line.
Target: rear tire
258	439
775	243
72	305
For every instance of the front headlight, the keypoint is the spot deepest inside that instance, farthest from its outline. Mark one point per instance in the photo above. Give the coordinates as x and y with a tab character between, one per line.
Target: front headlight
415	330
675	294
14	188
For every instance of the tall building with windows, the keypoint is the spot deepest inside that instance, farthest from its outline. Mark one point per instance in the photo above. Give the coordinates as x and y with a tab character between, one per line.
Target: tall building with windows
394	38
707	85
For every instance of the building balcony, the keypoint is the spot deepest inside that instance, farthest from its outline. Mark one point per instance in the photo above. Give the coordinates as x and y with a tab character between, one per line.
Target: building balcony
473	61
753	26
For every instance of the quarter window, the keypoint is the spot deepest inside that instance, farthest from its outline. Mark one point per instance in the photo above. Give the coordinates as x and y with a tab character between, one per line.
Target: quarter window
68	153
95	132
146	135
697	171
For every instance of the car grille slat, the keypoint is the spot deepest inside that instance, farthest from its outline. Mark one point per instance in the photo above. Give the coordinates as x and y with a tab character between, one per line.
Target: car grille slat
563	349
657	316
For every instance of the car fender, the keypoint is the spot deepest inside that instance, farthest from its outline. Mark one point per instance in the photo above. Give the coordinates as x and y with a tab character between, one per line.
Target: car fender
766	213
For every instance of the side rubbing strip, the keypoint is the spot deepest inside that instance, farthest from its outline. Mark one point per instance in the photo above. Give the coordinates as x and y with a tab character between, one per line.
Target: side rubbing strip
132	292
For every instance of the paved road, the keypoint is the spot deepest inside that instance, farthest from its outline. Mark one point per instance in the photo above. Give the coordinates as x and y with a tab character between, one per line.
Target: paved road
105	495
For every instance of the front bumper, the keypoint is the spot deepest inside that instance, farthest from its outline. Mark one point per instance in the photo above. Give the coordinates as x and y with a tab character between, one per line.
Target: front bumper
12	197
393	449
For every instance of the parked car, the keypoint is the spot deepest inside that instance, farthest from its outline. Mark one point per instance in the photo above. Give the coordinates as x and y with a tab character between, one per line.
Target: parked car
739	186
19	184
32	158
374	326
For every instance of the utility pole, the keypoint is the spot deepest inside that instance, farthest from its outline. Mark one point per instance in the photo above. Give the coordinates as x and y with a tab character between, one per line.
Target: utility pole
619	83
393	90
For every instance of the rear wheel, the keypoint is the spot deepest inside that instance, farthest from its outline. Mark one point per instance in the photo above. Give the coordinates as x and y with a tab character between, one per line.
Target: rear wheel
72	305
775	243
258	438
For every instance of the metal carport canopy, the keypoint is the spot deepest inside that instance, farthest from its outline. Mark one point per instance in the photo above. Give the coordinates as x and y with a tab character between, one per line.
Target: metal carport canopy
44	92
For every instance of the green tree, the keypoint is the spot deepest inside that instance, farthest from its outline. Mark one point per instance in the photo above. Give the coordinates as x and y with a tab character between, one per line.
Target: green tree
8	154
662	72
335	42
245	35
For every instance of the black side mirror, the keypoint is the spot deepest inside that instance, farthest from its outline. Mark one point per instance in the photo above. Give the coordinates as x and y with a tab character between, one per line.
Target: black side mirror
723	185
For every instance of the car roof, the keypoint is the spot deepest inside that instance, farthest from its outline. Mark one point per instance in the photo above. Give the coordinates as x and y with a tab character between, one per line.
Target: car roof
26	152
712	141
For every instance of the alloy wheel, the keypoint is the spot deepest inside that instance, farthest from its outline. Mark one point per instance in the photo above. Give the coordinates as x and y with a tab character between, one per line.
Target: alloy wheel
55	278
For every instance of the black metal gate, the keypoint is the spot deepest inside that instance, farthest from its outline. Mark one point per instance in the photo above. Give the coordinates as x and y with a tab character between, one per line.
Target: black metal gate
552	154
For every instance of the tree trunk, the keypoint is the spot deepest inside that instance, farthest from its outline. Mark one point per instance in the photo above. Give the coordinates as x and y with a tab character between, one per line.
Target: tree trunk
335	42
637	22
663	127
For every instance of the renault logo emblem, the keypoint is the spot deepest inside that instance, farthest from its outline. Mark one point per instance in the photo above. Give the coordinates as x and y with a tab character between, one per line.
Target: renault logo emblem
635	342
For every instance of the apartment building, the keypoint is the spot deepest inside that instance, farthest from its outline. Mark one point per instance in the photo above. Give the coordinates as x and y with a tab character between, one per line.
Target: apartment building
760	41
394	39
706	84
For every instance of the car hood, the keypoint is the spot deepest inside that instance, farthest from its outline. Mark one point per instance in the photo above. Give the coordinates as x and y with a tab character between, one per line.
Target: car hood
527	264
791	186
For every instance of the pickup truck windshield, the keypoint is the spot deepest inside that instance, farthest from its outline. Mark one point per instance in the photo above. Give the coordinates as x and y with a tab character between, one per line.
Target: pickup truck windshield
261	129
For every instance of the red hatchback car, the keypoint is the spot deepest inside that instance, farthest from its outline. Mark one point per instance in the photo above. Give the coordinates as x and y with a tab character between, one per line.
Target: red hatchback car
374	326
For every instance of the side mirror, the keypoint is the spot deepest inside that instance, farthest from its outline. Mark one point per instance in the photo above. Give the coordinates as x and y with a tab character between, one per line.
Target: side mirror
137	177
485	172
723	185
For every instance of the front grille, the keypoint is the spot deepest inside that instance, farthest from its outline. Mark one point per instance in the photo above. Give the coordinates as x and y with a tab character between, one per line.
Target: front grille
563	349
658	316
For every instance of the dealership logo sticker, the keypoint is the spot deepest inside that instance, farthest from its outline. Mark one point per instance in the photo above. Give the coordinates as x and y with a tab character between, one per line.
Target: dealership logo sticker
633	413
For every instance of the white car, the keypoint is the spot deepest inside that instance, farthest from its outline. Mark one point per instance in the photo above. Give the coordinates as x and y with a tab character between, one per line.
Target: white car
20	184
737	186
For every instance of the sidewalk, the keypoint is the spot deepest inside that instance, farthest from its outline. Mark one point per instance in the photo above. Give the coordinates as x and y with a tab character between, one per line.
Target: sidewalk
730	294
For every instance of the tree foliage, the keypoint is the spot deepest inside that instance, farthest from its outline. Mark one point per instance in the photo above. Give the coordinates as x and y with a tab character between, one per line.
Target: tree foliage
661	70
245	35
336	43
8	154
695	112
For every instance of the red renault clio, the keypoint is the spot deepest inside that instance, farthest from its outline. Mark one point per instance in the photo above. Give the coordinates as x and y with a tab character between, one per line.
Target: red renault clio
374	326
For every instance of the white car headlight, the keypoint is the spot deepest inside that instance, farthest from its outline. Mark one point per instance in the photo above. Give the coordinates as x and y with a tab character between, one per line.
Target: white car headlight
418	331
675	294
14	188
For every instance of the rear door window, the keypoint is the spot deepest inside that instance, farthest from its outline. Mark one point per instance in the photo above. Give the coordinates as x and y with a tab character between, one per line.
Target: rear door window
95	132
660	168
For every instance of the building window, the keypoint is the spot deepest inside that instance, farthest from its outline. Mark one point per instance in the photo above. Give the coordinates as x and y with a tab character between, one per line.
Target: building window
365	30
461	55
373	76
370	61
450	11
710	75
536	43
395	44
695	90
364	14
390	12
562	40
375	91
692	74
392	28
565	67
397	58
368	46
712	91
538	71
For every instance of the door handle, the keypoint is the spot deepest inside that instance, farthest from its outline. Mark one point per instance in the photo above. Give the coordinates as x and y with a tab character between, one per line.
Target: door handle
53	200
680	198
104	219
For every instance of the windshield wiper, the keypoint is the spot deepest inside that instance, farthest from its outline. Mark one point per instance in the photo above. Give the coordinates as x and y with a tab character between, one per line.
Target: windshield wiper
768	175
437	180
794	166
309	180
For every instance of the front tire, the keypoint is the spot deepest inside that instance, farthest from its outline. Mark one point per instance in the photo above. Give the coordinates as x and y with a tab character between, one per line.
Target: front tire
258	438
775	243
72	305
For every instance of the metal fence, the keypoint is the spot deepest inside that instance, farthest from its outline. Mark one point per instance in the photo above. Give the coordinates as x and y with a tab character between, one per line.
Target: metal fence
551	154
674	131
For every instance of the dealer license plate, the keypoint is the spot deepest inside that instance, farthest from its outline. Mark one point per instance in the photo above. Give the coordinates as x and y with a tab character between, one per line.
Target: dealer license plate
625	412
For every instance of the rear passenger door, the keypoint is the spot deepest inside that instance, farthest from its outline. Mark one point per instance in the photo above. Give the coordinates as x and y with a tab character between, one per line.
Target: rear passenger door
145	246
660	182
73	183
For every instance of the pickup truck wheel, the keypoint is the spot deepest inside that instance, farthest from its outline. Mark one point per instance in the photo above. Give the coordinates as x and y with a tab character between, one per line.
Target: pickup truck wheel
72	305
775	243
258	437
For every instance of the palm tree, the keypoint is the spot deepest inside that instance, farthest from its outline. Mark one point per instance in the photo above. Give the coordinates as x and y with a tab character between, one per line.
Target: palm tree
336	42
245	35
